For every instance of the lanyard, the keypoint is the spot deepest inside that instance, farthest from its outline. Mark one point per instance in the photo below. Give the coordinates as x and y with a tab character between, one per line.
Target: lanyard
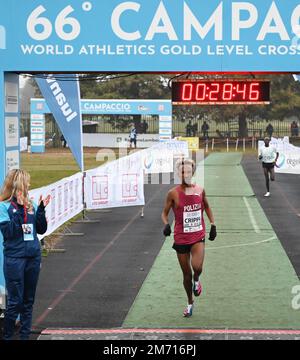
25	211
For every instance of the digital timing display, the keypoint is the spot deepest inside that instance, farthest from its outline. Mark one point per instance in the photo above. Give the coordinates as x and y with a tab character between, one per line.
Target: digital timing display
220	92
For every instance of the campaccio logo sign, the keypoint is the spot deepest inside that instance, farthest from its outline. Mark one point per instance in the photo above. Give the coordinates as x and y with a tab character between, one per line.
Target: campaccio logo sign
163	34
244	15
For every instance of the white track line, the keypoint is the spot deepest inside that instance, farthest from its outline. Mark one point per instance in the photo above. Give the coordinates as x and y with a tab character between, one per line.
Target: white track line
241	245
251	215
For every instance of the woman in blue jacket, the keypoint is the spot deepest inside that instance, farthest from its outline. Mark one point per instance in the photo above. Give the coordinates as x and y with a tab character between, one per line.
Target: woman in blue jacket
20	222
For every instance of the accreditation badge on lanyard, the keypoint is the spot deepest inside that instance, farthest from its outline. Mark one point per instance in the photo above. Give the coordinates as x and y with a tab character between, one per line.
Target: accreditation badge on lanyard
27	228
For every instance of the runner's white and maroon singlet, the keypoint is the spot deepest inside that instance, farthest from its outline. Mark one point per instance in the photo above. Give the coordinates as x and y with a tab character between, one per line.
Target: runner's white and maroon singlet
189	221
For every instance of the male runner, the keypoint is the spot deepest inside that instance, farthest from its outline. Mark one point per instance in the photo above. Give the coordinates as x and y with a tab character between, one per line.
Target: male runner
268	155
188	202
133	137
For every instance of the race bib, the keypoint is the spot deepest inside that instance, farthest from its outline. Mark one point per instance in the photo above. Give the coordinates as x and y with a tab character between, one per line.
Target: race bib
269	158
192	221
28	232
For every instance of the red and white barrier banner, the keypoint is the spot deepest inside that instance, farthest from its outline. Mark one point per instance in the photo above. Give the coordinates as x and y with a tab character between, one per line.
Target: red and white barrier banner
121	182
117	184
65	203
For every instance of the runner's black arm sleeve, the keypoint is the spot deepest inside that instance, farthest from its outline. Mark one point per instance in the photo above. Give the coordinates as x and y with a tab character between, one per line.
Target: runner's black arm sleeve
41	221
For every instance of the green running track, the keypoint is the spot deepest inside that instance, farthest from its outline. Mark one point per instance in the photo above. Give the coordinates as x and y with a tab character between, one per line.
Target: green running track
247	279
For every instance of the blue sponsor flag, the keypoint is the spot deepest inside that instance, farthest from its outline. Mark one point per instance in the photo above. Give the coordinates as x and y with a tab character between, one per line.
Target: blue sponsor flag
62	94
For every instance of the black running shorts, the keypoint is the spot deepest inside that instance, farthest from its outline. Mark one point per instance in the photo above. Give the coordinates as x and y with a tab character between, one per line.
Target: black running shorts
268	165
185	249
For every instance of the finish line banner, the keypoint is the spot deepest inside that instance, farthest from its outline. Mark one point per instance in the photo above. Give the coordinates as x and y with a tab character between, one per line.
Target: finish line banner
156	35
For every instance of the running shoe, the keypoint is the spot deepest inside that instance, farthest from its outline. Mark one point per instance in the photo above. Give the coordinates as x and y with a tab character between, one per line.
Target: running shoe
197	288
267	194
188	311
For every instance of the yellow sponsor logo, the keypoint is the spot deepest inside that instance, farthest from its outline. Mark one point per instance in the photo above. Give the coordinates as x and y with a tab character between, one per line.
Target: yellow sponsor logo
193	142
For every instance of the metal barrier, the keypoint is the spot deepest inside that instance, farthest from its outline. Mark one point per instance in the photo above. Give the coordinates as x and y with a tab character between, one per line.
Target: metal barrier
230	143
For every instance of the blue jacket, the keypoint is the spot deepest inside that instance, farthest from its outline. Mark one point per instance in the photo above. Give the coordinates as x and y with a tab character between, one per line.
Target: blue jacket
11	220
